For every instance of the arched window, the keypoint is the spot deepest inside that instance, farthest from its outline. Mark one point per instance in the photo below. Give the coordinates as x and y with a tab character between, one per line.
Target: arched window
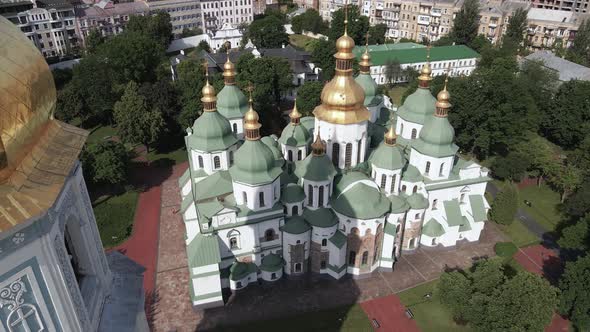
404	188
299	155
231	158
415	189
433	241
351	257
358	152
290	155
244	197
295	210
434	201
233	243
397	228
321	196
365	258
414	133
417	216
324	242
335	154
309	195
401	129
440	171
235	128
348	155
261	198
200	159
412	243
355	231
393	178
462	199
297	267
216	162
269	234
427	168
383	180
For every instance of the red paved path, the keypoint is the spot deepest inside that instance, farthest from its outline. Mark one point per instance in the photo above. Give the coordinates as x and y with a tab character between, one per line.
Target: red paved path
544	262
390	313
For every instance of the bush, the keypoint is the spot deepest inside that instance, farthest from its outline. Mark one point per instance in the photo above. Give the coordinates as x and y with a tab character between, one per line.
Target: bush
505	249
505	205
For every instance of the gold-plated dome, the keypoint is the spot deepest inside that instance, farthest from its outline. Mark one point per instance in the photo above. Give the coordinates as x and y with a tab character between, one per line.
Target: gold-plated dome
318	147
443	100
344	46
365	63
251	124
229	71
295	115
390	136
426	72
209	98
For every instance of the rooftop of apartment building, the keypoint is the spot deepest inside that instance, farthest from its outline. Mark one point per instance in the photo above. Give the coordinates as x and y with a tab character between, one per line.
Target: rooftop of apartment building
567	70
106	8
560	16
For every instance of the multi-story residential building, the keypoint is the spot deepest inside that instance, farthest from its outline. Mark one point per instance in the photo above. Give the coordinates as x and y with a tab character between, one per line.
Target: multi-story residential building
49	24
548	27
327	7
184	14
578	6
315	4
215	13
107	17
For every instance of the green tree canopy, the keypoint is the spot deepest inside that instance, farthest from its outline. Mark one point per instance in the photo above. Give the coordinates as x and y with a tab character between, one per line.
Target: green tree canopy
69	104
466	23
323	56
268	32
358	25
579	52
377	34
576	236
203	45
308	97
136	122
575	293
517	24
578	204
513	167
505	205
568	120
269	84
155	26
61	77
309	21
191	79
93	41
105	162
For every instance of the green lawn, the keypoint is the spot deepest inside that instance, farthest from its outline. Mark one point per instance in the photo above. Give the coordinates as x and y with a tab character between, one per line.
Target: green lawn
301	42
397	92
114	217
544	205
519	234
430	315
349	318
99	133
177	156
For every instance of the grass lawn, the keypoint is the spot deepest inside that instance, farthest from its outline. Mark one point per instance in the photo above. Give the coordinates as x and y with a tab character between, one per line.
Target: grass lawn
544	205
178	156
397	92
301	42
114	217
430	315
98	133
519	234
349	318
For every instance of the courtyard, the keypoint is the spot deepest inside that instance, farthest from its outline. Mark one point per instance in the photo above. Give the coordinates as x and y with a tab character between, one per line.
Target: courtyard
172	311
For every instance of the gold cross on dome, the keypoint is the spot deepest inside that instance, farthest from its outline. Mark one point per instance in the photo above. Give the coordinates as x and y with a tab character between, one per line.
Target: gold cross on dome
250	88
205	65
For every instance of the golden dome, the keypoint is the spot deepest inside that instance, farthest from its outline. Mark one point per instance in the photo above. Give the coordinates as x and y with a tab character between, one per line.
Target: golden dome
295	115
390	136
443	98
251	124
425	73
344	46
342	101
229	71
317	147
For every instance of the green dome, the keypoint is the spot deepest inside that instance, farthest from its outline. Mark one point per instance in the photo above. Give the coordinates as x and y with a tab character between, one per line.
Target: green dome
272	263
412	174
254	163
231	102
362	202
295	135
417	201
295	225
273	146
315	168
388	157
292	193
418	106
436	138
347	179
211	132
398	204
370	87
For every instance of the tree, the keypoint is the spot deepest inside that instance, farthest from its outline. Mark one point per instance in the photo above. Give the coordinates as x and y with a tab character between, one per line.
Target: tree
323	56
455	290
569	121
69	104
270	84
505	205
268	32
191	32
358	25
575	293
578	204
512	167
93	41
136	123
542	159
517	25
377	34
155	26
580	157
576	236
308	21
393	70
579	51
191	79
466	23
567	179
204	45
308	97
61	77
162	97
105	162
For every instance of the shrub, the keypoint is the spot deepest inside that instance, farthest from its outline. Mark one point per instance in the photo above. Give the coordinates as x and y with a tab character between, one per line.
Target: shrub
505	205
505	249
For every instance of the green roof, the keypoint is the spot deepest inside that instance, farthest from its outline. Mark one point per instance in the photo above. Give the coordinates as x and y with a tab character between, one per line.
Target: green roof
216	184
478	208
410	54
398	204
338	239
347	179
417	201
322	217
211	132
308	122
254	163
240	270
231	102
292	193
203	250
387	47
362	202
465	226
288	177
210	208
384	117
453	211
272	263
418	107
411	174
433	228
315	168
295	225
376	132
274	148
390	229
370	87
295	135
186	202
388	157
436	138
184	177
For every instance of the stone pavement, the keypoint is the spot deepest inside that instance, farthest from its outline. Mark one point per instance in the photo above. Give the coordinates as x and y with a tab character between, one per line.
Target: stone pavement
172	310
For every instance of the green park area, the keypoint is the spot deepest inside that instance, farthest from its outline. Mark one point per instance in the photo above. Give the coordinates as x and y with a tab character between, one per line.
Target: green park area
544	205
114	217
396	93
301	42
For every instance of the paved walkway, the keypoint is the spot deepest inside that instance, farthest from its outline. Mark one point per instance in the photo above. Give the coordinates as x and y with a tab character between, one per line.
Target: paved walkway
172	310
390	314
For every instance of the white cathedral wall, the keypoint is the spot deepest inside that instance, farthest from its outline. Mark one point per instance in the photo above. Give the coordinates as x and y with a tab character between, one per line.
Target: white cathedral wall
239	126
387	257
291	239
320	233
186	188
345	224
289	208
315	186
446	194
246	236
343	134
440	168
209	159
407	187
271	191
377	174
404	128
375	111
296	153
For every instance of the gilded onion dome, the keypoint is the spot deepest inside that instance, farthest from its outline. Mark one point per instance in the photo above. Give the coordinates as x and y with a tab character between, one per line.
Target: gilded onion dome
294	134
420	104
388	155
317	166
365	80
342	97
231	101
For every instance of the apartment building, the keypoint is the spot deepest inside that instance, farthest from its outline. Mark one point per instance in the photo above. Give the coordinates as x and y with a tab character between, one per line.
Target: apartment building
184	14
216	13
578	6
49	24
107	17
547	27
314	4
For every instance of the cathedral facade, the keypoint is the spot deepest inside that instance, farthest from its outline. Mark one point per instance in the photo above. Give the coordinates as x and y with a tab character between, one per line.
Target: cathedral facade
344	192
